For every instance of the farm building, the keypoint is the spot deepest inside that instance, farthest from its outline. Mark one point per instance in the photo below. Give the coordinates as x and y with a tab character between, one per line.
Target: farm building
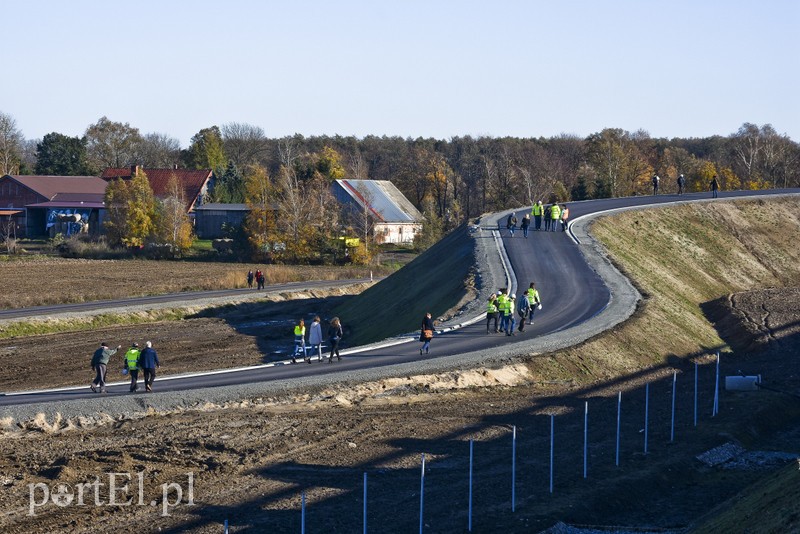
31	205
395	219
194	183
209	219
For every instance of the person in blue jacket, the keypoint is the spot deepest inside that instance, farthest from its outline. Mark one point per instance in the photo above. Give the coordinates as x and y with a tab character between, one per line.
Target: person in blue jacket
148	363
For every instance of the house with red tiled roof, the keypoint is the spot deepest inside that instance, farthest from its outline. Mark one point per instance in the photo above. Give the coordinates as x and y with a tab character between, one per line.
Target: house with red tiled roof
33	204
194	183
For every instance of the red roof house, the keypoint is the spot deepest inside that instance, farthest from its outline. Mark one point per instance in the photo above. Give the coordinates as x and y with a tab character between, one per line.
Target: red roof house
194	182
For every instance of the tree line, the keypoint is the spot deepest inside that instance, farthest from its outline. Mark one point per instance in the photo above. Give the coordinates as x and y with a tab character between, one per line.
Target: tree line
449	180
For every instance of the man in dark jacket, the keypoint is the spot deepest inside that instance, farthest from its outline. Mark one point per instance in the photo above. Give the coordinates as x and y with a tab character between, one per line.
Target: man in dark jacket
100	365
148	363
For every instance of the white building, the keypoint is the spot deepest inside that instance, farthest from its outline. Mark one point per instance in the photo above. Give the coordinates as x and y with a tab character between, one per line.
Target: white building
394	217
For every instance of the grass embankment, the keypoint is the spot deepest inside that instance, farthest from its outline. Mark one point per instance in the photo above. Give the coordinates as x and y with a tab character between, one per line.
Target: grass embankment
680	257
435	281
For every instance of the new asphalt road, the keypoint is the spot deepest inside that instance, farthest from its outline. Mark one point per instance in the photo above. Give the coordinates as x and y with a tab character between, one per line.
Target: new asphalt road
572	293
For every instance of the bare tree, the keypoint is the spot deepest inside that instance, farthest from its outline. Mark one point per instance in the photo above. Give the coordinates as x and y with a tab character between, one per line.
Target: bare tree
158	150
11	141
357	166
244	143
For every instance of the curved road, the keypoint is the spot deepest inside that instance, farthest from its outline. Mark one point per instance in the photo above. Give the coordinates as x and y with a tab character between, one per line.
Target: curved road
552	259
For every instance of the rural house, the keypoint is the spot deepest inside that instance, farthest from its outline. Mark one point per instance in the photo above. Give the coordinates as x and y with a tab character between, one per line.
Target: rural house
194	183
395	219
31	205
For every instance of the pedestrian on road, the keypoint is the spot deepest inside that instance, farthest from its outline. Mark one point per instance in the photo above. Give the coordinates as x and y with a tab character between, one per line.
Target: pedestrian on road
714	185
299	340
502	298
547	219
315	339
656	179
523	307
426	333
509	314
537	211
335	335
511	223
555	214
533	299
260	279
131	365
100	366
681	184
148	361
250	277
491	312
564	217
526	222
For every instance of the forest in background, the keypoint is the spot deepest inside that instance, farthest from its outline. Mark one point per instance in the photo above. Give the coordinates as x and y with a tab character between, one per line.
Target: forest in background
449	180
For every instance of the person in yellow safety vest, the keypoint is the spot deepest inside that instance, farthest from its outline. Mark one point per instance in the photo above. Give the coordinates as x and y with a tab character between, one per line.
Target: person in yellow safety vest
508	314
564	217
534	300
537	212
299	340
132	365
501	307
491	312
555	214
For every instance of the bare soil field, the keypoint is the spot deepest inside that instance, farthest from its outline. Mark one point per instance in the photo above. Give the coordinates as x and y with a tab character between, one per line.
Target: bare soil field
37	281
251	461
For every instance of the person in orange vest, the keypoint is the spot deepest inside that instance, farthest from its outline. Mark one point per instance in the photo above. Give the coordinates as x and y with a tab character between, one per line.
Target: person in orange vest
564	217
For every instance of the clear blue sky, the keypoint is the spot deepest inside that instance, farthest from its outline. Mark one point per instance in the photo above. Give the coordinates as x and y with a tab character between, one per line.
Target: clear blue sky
685	68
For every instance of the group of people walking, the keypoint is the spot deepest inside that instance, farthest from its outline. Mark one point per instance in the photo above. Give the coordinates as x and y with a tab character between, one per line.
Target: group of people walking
135	360
335	334
713	185
502	307
259	278
555	216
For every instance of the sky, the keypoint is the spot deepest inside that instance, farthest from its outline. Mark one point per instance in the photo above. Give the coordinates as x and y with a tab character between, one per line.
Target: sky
411	68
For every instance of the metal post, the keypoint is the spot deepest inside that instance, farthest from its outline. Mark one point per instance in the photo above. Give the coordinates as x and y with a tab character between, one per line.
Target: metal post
226	526
365	502
695	393
303	513
715	411
513	469
672	424
552	426
469	511
585	436
421	493
619	415
646	413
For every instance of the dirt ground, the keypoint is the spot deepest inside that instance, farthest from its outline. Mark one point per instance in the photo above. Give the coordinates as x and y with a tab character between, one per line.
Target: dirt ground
250	463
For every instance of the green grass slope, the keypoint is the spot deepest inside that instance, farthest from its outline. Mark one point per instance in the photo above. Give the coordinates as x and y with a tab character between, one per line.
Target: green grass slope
435	281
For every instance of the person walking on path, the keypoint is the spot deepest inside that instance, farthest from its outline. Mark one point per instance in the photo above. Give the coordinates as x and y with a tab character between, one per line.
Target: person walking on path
131	365
511	223
526	222
260	279
681	184
534	300
546	216
299	340
315	339
555	214
714	185
656	179
491	312
250	277
335	335
564	217
509	314
537	212
100	366
501	309
523	307
426	333
148	361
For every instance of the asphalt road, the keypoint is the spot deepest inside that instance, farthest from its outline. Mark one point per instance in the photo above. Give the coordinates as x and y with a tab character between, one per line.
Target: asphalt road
571	294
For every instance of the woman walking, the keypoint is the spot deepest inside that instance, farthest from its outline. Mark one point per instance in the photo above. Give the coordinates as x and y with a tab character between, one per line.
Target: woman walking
426	333
315	339
299	340
334	337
